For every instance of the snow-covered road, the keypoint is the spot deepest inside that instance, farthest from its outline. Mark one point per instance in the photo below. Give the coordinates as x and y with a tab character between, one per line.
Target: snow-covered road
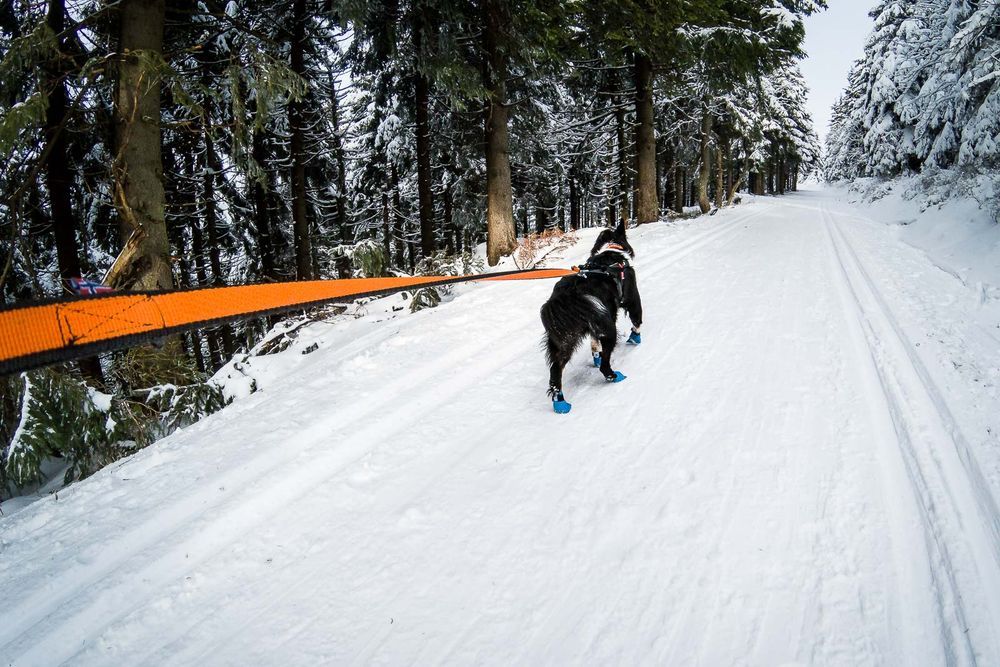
802	467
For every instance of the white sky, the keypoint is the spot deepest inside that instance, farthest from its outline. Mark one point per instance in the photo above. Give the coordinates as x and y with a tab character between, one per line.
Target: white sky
834	39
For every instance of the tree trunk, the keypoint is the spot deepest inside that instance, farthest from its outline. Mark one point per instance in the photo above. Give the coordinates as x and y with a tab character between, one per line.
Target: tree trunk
779	171
421	90
574	204
138	166
138	180
623	175
411	245
734	186
57	174
772	164
58	178
720	185
500	233
730	171
297	152
561	221
669	177
647	205
449	225
262	211
210	171
198	250
338	150
386	226
192	339
399	222
679	189
661	185
706	160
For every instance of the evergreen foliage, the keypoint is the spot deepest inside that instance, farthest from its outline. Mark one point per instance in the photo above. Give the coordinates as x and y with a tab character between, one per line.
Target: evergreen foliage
63	418
60	417
925	94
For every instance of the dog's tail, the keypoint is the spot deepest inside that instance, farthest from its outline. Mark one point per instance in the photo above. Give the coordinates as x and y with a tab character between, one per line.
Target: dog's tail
570	316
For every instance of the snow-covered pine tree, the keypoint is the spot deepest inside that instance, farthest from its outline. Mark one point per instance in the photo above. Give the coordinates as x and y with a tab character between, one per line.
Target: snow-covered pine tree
888	79
929	95
845	150
975	51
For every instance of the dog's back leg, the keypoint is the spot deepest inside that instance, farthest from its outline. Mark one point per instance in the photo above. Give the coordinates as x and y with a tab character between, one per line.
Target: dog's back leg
607	347
558	358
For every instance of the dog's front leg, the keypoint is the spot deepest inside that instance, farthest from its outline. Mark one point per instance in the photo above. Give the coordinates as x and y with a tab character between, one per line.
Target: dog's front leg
633	305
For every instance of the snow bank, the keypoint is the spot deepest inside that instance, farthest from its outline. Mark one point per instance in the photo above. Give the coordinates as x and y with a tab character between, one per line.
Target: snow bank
953	218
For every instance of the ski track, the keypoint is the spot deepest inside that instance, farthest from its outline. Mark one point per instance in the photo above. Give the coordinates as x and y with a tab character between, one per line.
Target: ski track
948	487
783	478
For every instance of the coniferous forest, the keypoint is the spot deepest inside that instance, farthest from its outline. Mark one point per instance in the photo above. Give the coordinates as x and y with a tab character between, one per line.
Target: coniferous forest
157	145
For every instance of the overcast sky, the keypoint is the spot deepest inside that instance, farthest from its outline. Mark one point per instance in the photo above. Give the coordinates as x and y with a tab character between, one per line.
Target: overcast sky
834	39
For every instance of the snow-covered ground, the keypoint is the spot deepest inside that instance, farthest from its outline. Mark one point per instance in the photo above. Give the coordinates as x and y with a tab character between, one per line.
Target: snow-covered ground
951	216
802	467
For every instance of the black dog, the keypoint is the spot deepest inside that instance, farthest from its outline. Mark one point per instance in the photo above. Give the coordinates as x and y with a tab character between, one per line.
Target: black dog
586	305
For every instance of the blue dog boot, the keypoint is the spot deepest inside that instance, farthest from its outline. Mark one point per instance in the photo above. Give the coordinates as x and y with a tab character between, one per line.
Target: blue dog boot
617	377
597	361
559	403
634	338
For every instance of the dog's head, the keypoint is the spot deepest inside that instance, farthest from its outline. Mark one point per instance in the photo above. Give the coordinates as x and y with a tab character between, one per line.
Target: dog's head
611	238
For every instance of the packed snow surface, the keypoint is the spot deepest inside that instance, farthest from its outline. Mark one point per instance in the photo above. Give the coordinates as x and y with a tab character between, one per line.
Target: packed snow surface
801	468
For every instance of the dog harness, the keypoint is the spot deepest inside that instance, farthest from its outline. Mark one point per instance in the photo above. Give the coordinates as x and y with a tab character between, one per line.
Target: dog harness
614	271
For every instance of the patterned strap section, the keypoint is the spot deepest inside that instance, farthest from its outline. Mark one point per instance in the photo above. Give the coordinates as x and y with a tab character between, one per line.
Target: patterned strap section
39	333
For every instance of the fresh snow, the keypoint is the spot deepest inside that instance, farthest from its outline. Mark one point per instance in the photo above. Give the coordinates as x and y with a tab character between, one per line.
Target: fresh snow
802	467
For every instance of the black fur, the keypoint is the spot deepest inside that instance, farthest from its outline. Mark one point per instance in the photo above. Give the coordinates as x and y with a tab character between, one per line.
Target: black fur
586	306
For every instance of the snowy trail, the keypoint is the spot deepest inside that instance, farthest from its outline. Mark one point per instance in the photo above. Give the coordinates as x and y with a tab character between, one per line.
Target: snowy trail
786	476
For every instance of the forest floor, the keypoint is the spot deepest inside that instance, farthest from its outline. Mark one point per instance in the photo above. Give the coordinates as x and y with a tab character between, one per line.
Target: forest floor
803	466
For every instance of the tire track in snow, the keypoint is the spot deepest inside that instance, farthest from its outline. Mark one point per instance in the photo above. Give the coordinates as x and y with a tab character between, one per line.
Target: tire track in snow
266	458
400	497
957	512
989	511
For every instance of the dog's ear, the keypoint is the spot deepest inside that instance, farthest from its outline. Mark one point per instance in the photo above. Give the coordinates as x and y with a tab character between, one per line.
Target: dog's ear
604	237
621	239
